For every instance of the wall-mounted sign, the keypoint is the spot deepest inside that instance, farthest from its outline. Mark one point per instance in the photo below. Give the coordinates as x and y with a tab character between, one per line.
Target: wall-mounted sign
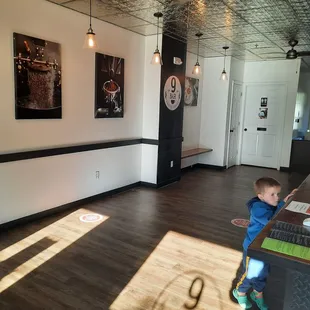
172	93
177	61
263	101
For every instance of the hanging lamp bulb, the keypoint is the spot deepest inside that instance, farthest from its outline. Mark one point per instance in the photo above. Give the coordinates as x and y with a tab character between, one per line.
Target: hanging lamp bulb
156	59
197	68
224	75
90	39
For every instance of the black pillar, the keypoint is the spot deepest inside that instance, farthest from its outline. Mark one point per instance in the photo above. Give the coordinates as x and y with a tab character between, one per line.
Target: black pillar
171	111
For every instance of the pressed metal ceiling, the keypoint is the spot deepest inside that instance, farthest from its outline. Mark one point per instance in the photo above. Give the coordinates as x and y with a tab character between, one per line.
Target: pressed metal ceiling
253	29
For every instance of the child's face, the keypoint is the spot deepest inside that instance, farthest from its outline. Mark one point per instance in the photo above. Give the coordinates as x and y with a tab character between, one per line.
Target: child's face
271	195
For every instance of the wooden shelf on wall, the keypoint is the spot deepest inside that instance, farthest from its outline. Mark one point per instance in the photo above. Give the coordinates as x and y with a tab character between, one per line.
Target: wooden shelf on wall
194	152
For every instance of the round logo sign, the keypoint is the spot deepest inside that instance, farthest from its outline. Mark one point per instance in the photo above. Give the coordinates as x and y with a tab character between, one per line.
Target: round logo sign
240	223
172	93
91	218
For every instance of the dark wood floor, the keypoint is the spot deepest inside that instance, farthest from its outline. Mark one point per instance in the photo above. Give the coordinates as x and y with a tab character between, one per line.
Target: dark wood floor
147	238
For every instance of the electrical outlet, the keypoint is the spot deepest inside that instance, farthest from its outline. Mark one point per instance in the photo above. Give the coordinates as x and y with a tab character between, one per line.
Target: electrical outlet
97	174
171	164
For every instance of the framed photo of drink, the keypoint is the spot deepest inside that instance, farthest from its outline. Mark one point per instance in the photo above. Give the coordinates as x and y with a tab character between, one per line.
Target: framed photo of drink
37	72
109	86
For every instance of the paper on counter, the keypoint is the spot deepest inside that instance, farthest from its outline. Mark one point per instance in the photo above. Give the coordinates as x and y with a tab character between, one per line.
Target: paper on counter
299	207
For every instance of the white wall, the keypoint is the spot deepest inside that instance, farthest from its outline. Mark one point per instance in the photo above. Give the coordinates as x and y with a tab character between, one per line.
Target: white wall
35	185
151	104
31	186
280	71
214	111
151	90
192	114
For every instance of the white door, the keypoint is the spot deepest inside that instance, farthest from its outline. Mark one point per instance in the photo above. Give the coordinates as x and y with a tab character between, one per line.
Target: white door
234	125
263	125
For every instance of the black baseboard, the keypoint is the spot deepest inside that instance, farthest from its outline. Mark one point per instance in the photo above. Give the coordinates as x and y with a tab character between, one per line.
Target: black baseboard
147	184
258	167
71	205
285	169
188	168
210	166
170	181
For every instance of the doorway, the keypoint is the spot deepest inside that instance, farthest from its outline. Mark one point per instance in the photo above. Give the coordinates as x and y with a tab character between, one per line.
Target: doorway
263	124
234	125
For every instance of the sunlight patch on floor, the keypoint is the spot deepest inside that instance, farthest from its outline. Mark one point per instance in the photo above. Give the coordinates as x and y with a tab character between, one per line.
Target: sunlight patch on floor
182	273
62	233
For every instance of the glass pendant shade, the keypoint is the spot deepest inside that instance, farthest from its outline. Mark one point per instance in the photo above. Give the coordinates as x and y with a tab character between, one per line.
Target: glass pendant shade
156	59
224	76
197	69
90	40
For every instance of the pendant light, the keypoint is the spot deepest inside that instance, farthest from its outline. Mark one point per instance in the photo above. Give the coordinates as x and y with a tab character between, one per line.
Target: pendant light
224	76
156	59
197	68
90	39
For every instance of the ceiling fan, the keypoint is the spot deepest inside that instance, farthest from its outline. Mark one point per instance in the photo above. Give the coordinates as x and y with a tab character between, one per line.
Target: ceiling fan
292	53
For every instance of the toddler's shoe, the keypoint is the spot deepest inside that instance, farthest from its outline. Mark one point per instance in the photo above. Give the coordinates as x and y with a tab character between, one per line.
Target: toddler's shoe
259	301
242	300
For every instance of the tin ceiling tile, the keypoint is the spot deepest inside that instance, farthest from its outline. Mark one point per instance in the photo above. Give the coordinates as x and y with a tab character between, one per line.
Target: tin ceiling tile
57	1
263	15
233	30
136	5
124	20
238	5
129	6
97	10
303	48
204	52
146	30
257	44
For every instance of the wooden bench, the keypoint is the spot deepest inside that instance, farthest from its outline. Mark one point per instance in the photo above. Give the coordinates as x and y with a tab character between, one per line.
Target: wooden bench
194	152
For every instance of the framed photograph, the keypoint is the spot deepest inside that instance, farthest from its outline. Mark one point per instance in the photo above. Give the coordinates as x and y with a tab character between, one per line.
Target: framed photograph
109	83
191	91
37	70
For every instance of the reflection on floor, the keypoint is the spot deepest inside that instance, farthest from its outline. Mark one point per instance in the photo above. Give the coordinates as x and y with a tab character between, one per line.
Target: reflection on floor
51	240
182	273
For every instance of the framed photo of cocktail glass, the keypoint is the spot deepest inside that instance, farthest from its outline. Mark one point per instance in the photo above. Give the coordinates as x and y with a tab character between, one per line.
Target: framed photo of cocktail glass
109	86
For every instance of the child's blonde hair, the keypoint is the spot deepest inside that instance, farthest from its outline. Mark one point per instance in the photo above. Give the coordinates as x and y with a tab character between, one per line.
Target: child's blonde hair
261	184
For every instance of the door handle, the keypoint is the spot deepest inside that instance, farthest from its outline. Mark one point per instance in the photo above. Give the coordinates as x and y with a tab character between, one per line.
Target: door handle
245	129
231	130
261	129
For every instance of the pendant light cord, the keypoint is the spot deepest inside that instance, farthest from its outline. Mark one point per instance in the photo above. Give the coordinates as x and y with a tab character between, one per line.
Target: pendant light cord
198	50
157	32
90	14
